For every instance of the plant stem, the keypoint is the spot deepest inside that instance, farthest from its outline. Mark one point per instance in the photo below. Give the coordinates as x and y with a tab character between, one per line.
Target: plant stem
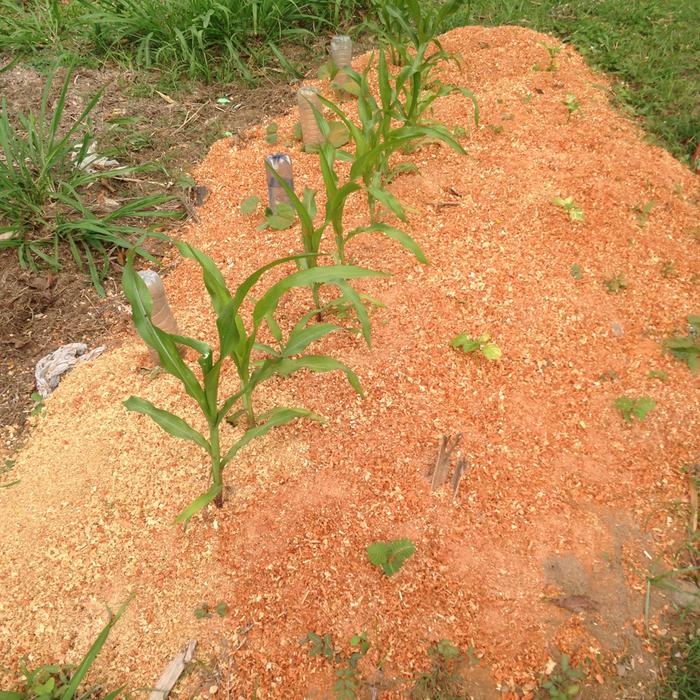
216	470
247	400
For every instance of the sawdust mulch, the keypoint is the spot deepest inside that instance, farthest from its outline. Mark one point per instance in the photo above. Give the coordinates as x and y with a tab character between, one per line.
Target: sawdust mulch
560	498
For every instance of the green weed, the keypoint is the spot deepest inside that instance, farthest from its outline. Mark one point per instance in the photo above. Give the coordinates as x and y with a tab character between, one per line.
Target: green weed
643	211
616	284
483	345
237	342
687	348
44	184
572	105
681	676
205	611
552	52
562	683
637	408
390	556
224	41
444	680
570	207
54	682
348	681
576	271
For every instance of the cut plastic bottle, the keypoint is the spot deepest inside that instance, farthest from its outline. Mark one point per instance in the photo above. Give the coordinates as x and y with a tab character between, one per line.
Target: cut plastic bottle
307	99
162	315
282	164
341	55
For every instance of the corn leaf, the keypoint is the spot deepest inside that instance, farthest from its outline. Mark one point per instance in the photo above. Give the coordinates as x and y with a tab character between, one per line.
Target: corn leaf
172	424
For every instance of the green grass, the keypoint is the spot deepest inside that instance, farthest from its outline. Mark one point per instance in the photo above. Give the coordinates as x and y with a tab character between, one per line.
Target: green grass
682	675
210	41
651	46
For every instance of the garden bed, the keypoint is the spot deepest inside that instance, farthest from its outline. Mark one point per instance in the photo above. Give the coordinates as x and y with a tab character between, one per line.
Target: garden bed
561	496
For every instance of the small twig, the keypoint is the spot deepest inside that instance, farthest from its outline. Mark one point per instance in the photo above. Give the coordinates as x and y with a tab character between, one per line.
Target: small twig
440	205
457	476
448	444
189	118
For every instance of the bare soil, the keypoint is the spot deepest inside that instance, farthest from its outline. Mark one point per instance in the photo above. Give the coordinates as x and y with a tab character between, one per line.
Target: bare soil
43	310
564	509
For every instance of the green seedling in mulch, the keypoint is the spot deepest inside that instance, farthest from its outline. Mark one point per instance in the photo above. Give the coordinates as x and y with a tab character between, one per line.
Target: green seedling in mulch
687	348
668	270
576	271
38	406
444	680
237	342
54	682
48	206
680	677
657	374
643	211
349	681
271	133
552	52
570	207
390	556
563	683
8	465
616	284
634	408
483	345
249	205
572	105
610	375
205	611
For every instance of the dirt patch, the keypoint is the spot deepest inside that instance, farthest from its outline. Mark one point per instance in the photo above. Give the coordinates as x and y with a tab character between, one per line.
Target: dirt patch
558	486
135	123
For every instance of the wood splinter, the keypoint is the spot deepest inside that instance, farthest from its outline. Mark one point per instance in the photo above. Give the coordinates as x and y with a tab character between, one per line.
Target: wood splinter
173	671
448	444
457	476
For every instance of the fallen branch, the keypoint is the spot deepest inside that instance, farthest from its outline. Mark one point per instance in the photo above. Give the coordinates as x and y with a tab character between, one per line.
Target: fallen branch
173	671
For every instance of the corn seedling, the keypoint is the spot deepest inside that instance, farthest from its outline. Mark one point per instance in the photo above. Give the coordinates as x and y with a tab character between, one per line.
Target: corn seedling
407	26
616	284
570	207
379	136
349	681
237	342
483	345
637	408
687	349
44	179
54	682
390	556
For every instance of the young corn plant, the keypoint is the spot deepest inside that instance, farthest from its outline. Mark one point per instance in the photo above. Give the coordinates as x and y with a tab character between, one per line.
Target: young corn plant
44	183
237	342
379	136
337	194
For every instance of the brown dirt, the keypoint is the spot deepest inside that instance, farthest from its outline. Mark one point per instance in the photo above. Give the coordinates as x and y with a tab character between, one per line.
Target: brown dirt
561	498
48	310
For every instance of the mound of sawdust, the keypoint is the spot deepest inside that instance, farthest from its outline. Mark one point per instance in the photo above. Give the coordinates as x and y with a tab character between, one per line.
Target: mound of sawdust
557	484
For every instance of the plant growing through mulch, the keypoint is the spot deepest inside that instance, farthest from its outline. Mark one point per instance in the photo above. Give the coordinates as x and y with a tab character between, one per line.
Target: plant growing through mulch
687	348
483	345
237	342
637	408
390	556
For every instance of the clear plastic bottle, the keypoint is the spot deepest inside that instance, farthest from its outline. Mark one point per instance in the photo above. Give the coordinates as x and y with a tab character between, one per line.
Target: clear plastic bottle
307	99
162	315
341	54
282	164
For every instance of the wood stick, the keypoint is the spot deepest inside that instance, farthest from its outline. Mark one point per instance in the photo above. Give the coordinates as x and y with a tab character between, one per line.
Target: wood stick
173	671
